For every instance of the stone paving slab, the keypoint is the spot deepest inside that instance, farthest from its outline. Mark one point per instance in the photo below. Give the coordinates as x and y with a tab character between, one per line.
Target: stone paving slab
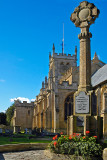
24	155
36	155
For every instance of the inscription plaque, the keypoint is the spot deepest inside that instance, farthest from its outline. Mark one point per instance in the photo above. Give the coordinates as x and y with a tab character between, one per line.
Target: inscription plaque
82	103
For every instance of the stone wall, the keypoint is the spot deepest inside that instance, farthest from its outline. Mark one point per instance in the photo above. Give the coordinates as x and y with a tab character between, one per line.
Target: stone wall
23	147
23	115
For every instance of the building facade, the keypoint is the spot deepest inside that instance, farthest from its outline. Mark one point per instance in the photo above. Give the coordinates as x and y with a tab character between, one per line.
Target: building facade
23	116
56	99
62	81
53	107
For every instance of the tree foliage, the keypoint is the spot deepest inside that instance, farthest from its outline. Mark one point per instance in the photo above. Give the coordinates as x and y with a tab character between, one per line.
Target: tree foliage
2	118
9	113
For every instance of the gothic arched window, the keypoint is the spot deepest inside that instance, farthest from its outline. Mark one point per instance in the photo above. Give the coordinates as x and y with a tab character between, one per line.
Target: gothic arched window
68	106
94	104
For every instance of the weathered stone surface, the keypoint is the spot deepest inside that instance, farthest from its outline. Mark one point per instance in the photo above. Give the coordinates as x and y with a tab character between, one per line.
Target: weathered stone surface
54	156
74	16
95	12
25	155
86	12
105	154
83	14
83	17
35	155
22	147
23	116
83	4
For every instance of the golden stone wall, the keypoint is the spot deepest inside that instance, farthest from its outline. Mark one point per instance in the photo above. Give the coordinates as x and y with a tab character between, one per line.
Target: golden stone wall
51	99
23	115
49	105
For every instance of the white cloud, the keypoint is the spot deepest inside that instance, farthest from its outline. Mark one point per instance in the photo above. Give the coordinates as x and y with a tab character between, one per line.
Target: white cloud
3	111
32	100
22	99
2	80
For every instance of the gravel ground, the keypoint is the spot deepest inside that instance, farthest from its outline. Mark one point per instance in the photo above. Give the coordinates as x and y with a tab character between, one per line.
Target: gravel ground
25	155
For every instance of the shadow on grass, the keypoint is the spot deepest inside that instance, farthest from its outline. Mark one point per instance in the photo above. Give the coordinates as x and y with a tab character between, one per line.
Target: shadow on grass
1	156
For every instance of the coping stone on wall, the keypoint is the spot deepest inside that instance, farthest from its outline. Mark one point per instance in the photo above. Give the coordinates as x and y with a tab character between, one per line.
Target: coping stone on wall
23	147
105	154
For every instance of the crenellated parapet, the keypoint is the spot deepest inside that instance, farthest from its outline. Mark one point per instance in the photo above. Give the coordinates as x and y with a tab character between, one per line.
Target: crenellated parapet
23	104
67	56
62	55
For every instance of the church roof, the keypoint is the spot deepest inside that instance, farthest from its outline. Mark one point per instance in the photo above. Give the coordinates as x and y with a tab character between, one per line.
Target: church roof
95	56
100	76
97	60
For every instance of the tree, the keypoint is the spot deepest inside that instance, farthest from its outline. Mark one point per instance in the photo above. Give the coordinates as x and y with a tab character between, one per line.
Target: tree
10	113
2	118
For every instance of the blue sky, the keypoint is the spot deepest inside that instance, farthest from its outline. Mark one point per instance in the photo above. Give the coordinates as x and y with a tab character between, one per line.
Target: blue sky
28	28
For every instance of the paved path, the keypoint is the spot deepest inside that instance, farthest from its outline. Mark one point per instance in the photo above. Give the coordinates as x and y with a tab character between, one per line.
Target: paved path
24	155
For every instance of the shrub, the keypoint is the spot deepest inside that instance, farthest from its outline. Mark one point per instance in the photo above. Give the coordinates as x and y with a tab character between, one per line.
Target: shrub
66	148
76	145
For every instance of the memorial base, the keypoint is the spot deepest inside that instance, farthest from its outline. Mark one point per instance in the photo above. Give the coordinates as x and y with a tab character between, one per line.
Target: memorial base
78	124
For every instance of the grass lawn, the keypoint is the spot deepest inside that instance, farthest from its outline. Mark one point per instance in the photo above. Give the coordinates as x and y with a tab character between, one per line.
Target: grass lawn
22	139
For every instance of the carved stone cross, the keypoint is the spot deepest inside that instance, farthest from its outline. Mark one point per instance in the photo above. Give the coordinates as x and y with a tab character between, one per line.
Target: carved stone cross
83	16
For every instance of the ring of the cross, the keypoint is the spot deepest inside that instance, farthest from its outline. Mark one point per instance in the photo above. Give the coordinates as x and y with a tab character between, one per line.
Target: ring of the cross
85	14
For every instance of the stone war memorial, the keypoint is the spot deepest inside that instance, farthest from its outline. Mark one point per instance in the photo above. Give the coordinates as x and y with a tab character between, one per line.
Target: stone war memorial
84	118
72	99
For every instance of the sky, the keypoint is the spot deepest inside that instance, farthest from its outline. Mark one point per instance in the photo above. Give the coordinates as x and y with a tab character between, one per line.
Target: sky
28	29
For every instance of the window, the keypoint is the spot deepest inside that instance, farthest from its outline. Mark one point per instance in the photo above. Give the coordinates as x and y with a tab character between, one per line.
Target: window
28	112
94	104
68	106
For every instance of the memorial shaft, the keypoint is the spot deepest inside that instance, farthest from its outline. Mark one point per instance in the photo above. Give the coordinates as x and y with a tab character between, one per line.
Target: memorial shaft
85	60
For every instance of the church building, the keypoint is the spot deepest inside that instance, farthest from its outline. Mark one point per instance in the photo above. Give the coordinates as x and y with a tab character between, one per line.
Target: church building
54	104
69	87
